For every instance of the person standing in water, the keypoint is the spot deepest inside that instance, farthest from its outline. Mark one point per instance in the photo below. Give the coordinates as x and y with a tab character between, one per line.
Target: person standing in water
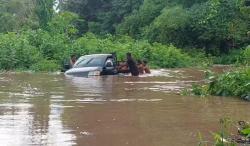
122	67
140	67
132	65
73	60
145	67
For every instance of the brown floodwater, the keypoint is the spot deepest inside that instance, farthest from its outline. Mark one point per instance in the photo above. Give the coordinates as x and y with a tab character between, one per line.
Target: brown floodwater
51	109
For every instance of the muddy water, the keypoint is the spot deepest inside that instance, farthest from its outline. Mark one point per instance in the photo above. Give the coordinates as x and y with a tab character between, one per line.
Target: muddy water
51	109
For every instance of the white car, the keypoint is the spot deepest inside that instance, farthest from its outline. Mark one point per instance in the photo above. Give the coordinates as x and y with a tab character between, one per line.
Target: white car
94	65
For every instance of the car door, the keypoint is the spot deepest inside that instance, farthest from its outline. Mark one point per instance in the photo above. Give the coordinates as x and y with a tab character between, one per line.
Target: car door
110	67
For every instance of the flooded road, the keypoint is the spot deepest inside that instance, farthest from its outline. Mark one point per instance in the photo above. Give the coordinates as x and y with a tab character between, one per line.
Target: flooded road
51	109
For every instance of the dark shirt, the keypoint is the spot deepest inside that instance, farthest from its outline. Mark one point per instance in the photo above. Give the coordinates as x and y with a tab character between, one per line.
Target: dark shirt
133	67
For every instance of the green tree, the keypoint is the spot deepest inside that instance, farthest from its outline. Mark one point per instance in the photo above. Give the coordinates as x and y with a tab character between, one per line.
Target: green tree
134	24
101	16
170	27
16	52
188	3
16	15
219	24
44	11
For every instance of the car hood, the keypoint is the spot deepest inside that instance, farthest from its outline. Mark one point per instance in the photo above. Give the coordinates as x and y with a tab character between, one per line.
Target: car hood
82	70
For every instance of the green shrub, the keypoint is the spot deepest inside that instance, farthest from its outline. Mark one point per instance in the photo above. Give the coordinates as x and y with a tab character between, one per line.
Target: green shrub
169	56
36	48
231	58
200	58
236	83
200	90
51	46
46	65
157	54
16	52
246	56
169	26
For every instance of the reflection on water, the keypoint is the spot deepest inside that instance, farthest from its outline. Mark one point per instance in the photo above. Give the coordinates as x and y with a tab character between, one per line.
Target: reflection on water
43	109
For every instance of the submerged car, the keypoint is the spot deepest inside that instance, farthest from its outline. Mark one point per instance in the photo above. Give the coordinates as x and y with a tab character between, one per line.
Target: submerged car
94	65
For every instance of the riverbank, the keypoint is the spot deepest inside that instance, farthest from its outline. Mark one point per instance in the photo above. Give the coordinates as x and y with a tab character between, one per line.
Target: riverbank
40	50
235	82
230	133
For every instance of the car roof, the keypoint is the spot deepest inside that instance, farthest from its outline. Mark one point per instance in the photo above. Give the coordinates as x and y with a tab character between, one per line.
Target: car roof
97	55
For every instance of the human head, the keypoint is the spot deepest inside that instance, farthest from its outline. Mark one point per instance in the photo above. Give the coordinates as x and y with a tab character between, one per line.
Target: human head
139	61
73	57
145	62
129	55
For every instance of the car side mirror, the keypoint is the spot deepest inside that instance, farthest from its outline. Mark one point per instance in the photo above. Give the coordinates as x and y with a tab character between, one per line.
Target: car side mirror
109	64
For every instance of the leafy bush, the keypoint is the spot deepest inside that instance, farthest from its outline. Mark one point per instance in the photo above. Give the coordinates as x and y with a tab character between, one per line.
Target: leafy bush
46	65
236	83
159	55
16	52
223	137
169	57
235	56
227	134
33	48
232	57
246	56
52	46
200	90
169	27
200	58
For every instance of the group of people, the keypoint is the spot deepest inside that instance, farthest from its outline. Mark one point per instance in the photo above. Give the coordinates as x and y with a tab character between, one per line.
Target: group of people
128	66
133	67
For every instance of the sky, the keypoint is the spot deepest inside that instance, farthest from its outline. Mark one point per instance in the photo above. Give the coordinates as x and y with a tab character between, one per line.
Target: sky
56	6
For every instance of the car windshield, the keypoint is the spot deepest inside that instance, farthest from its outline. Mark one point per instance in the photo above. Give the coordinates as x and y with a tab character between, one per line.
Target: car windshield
90	61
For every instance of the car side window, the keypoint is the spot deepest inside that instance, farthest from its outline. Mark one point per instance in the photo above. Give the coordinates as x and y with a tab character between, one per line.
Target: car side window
81	63
90	62
95	62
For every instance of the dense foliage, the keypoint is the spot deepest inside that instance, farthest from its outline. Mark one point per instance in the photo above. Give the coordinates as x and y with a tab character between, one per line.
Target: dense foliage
16	52
41	34
43	50
235	83
102	16
16	15
246	56
217	26
232	84
231	133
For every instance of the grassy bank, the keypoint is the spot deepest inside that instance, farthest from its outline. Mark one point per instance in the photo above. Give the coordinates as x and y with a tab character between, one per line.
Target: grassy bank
45	49
235	83
42	51
231	133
